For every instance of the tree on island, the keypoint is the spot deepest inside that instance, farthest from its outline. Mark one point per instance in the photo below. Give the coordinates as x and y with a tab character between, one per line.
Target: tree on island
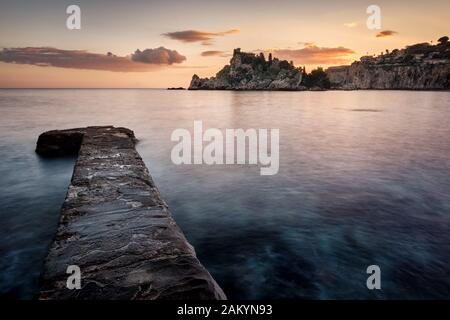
443	40
261	56
317	78
304	72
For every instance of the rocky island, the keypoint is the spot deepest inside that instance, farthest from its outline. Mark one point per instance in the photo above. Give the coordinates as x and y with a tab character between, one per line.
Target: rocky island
248	71
421	66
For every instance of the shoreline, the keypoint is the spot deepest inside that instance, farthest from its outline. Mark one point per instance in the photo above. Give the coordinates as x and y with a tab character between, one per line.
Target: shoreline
261	90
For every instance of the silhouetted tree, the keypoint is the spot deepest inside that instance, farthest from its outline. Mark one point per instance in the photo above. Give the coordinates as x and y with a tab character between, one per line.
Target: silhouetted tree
317	78
284	65
270	58
304	72
443	40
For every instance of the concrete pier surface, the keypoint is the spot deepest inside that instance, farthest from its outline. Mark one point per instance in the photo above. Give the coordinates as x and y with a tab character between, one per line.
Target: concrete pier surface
115	227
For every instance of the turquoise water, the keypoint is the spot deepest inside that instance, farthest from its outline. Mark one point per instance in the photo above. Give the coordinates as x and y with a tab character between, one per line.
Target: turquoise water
364	179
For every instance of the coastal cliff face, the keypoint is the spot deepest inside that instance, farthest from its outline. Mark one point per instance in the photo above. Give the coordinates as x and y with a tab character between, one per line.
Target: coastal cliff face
417	67
248	71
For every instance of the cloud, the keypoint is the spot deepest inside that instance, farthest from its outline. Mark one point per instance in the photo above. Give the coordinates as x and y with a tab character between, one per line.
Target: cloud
159	55
213	53
307	44
386	33
206	38
350	24
312	54
140	61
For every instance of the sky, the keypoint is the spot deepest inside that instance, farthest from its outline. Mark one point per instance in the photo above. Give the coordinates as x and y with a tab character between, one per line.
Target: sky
158	44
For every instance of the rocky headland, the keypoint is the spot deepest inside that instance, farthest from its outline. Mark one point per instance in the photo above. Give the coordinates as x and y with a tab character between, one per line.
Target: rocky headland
417	67
421	66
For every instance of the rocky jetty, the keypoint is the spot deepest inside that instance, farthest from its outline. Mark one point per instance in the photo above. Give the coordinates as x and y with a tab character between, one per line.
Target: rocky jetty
176	88
116	228
418	67
248	71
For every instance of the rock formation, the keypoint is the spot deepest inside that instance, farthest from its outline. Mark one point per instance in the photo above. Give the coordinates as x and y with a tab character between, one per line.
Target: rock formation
248	71
116	228
418	67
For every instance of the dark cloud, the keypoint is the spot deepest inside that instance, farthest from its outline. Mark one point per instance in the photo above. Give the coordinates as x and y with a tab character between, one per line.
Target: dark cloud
159	55
312	54
140	61
386	33
215	53
198	36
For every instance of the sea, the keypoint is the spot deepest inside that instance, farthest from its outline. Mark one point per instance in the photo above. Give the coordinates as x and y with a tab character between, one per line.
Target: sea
363	180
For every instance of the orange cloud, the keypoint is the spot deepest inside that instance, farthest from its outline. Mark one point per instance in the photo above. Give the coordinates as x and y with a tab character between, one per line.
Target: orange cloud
314	55
206	38
139	61
386	33
159	55
213	53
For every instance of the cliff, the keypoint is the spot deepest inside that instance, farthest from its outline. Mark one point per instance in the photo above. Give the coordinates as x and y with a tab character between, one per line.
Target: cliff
418	67
116	228
248	71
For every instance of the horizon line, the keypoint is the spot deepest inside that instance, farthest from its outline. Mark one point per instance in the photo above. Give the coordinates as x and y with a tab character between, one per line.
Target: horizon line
72	88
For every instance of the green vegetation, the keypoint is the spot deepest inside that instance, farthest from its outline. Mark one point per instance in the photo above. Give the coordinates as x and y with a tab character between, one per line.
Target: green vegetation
317	78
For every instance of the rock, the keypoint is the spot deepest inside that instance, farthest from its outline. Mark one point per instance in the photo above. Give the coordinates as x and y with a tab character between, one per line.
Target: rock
248	71
60	143
116	228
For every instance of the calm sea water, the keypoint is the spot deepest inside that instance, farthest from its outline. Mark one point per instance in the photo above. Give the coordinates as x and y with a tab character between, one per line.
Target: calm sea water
364	179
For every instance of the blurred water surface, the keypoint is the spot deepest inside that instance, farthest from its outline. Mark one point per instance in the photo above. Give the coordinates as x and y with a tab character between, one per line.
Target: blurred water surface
364	179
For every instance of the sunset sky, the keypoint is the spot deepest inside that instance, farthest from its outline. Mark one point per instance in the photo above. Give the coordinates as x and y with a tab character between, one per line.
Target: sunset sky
156	44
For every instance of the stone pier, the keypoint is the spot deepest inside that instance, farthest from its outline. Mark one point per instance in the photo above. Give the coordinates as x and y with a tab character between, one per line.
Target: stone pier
115	227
